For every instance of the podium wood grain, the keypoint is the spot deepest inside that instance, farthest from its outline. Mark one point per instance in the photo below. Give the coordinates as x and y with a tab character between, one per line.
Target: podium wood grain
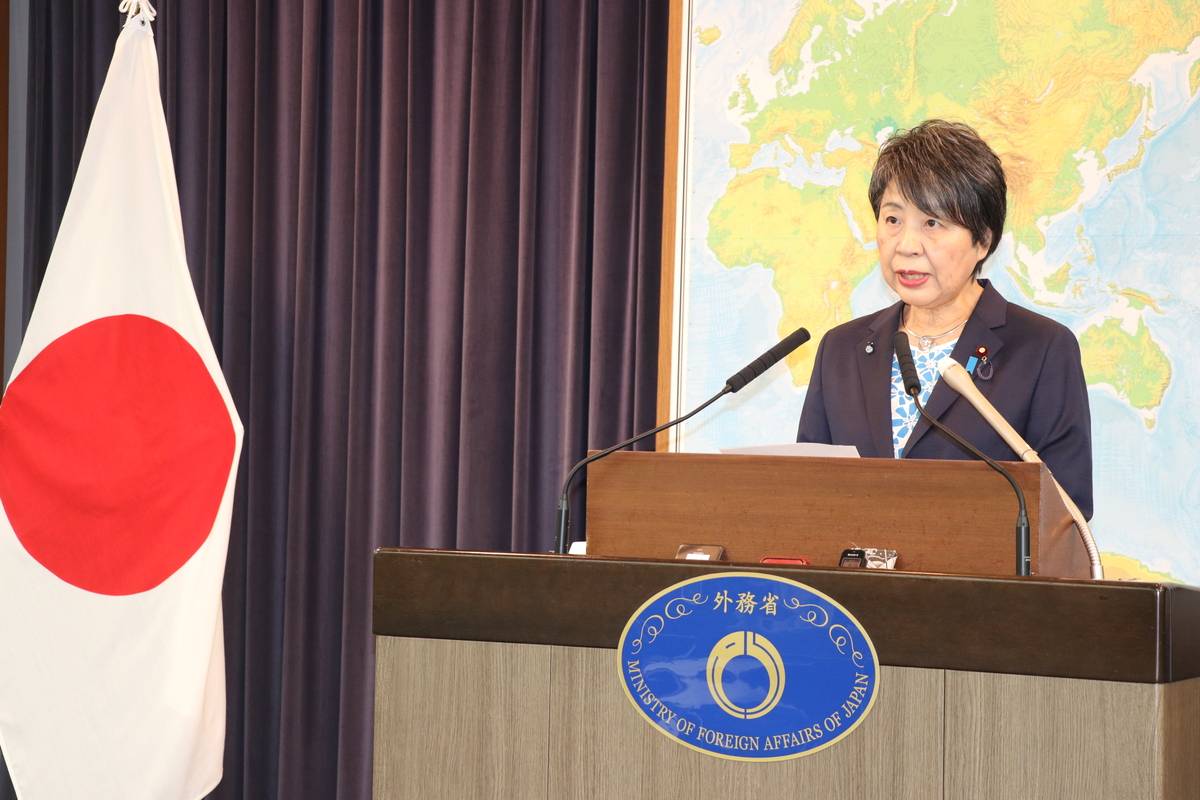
488	720
895	754
491	720
1179	732
468	721
1019	736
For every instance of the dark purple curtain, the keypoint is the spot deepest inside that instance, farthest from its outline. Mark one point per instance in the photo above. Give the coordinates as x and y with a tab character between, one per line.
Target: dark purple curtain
425	237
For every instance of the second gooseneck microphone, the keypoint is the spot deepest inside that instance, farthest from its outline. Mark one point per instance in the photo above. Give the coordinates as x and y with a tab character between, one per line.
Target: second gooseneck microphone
960	381
912	387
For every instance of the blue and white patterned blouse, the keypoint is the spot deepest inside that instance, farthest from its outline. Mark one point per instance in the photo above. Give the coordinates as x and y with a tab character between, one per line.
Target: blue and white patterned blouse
904	410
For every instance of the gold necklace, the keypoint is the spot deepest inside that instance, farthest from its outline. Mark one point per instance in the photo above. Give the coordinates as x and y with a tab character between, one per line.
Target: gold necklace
926	342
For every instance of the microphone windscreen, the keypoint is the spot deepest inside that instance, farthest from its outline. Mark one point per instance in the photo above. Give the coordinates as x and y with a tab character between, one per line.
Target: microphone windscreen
767	360
953	373
904	358
960	381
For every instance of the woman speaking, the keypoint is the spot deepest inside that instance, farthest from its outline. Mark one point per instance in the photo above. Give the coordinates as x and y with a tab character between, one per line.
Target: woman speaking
939	197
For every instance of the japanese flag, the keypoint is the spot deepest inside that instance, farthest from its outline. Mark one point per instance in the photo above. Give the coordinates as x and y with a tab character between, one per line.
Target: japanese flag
118	451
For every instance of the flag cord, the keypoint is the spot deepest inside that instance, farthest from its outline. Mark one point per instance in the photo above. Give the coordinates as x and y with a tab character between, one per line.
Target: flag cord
138	8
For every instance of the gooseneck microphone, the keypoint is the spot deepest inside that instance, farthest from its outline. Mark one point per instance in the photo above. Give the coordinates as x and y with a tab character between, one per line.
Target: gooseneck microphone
767	360
960	381
912	387
735	384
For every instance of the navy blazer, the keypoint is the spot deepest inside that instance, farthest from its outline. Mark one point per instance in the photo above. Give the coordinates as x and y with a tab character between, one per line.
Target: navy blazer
1037	384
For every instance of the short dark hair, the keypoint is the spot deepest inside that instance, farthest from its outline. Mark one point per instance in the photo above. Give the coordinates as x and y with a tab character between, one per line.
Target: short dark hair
948	171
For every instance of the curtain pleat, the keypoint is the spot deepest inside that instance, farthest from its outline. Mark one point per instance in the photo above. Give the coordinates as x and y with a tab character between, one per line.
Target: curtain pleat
425	238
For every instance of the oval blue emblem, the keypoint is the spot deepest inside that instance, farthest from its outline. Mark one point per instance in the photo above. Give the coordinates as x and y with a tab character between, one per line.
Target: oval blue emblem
748	666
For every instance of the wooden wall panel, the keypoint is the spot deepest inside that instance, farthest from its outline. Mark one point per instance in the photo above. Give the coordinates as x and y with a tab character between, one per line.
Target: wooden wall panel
673	147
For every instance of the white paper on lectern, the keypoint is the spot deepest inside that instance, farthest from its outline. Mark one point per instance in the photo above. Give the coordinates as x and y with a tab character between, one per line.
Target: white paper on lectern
809	449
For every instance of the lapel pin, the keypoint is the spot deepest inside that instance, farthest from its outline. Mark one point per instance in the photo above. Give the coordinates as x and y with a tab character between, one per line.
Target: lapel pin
870	348
984	370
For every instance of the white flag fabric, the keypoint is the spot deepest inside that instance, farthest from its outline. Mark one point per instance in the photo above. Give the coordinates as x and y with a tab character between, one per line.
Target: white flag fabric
119	445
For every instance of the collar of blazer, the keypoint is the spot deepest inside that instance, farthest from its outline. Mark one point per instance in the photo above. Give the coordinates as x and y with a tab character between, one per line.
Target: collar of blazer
875	368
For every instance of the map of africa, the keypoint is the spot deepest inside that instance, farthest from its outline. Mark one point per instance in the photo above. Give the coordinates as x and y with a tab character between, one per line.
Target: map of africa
1093	107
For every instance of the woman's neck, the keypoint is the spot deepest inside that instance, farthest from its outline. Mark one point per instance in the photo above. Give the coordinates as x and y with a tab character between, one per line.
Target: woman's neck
934	321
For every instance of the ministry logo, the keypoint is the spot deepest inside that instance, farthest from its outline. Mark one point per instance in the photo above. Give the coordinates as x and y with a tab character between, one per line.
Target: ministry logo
748	666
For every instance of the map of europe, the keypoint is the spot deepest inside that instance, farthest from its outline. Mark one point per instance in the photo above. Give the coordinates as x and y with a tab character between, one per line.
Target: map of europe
1093	107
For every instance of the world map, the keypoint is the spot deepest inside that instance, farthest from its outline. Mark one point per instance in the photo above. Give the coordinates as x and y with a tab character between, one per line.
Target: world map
1093	108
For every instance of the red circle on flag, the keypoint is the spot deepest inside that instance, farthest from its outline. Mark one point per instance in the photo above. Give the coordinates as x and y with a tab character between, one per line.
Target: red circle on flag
115	451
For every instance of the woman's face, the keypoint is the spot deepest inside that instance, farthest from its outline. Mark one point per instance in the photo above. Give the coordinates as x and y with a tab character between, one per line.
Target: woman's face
928	261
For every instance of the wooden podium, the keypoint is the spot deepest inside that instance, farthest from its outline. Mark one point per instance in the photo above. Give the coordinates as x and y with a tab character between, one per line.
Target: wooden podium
496	675
941	516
